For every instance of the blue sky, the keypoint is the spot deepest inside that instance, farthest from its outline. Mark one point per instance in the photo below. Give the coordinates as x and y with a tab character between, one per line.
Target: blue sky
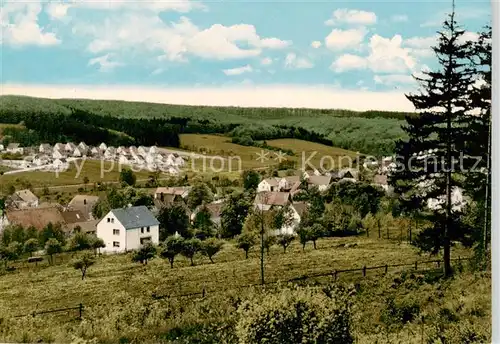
361	47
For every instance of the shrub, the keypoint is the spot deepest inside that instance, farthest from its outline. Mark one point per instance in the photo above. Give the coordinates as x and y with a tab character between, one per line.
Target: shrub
399	313
302	315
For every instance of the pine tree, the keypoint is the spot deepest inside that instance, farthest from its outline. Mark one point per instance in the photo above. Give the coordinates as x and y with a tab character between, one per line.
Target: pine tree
427	161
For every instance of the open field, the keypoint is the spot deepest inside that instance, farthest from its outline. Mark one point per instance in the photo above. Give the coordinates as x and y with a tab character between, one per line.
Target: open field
222	146
118	302
90	169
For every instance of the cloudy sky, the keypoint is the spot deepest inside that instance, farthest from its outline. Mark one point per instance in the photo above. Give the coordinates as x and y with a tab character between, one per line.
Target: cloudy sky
356	54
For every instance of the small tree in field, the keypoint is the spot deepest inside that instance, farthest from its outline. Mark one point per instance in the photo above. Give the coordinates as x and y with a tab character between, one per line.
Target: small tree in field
83	263
171	247
304	236
52	247
269	240
211	247
96	244
30	246
190	247
79	242
145	253
128	177
284	240
316	231
245	242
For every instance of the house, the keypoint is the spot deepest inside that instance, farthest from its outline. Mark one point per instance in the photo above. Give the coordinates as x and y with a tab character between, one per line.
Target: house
60	164
102	147
289	183
153	150
133	150
59	147
126	229
458	201
71	217
381	181
83	146
44	148
58	154
268	184
70	147
40	160
38	218
110	153
27	162
269	199
215	210
310	173
179	161
84	204
182	191
297	210
142	150
123	160
24	199
349	174
14	148
94	151
322	182
78	152
88	227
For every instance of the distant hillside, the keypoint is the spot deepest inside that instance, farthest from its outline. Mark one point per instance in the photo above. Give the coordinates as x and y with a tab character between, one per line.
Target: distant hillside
371	132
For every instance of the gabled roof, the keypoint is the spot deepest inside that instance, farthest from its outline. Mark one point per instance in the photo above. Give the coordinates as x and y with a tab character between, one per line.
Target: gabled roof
300	207
83	203
354	173
35	217
215	209
176	190
272	181
13	145
319	180
292	179
26	195
134	217
272	198
44	146
73	216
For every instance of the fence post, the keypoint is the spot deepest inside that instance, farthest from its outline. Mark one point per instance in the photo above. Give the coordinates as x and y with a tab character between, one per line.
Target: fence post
364	271
80	310
386	268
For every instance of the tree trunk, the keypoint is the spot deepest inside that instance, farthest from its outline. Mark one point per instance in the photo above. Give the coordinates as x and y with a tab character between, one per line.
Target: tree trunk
171	260
284	249
211	261
192	262
246	254
83	273
314	244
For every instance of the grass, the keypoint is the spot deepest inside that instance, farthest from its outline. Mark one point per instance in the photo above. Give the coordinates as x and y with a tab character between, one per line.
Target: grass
117	294
91	169
222	146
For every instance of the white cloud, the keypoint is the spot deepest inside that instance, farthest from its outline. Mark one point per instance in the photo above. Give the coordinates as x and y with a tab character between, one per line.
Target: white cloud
266	61
57	11
399	18
294	62
316	44
421	46
345	39
348	62
177	40
105	65
394	79
388	56
469	36
238	71
353	17
19	25
319	97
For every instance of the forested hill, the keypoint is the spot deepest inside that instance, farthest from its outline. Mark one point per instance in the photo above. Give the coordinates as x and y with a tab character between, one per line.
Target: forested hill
371	132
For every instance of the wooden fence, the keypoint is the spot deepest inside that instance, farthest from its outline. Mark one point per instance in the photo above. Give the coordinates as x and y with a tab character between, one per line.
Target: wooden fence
59	310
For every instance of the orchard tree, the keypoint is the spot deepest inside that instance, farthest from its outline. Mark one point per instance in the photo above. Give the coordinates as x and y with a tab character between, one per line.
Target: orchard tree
246	241
199	194
190	247
211	247
173	219
127	177
30	246
234	214
53	247
171	247
284	240
83	263
145	253
96	244
251	180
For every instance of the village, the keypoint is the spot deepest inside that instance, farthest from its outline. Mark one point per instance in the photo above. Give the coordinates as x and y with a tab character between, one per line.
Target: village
57	158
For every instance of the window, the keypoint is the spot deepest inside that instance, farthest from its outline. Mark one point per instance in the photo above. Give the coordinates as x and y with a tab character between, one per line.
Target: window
116	232
142	229
147	229
144	240
109	220
112	220
116	244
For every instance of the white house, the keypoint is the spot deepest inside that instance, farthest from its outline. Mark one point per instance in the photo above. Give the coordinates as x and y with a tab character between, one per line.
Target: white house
78	152
153	150
44	148
110	153
103	146
123	160
83	146
70	147
60	164
58	146
126	229
322	182
24	199
40	160
142	150
57	154
296	210
268	184
179	161
14	148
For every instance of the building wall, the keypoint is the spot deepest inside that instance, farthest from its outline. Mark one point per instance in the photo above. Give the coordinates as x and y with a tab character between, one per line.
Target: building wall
105	232
263	186
134	236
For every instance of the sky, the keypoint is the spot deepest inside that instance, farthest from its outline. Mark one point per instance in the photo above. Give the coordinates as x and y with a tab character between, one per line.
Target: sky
356	55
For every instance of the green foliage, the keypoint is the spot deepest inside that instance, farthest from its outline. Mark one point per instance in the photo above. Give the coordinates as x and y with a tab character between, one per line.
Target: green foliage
234	214
246	241
302	315
211	247
52	231
146	252
199	194
315	232
128	177
203	221
304	236
171	247
363	197
31	245
52	247
173	219
80	241
284	240
96	243
83	263
251	179
400	313
190	247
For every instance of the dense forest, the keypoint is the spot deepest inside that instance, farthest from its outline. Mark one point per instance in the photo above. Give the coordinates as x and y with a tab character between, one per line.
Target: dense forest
51	120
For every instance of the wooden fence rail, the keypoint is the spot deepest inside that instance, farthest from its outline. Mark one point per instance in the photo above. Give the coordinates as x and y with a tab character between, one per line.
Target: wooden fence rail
33	314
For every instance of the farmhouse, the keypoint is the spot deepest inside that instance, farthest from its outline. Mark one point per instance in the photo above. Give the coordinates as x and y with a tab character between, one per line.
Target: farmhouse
70	147
268	184
57	154
24	199
127	229
295	216
60	164
14	148
83	146
267	200
215	210
322	182
44	148
103	147
178	190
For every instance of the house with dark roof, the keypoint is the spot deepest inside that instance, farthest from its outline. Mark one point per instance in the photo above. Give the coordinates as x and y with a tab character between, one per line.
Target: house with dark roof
84	204
24	199
126	229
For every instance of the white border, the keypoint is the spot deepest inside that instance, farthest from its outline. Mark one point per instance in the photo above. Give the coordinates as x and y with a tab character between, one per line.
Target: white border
495	173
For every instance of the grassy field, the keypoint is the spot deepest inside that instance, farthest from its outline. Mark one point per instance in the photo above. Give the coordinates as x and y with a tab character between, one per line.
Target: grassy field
222	146
117	294
95	171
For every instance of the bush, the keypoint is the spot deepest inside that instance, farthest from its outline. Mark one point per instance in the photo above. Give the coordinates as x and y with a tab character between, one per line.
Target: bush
400	313
302	315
